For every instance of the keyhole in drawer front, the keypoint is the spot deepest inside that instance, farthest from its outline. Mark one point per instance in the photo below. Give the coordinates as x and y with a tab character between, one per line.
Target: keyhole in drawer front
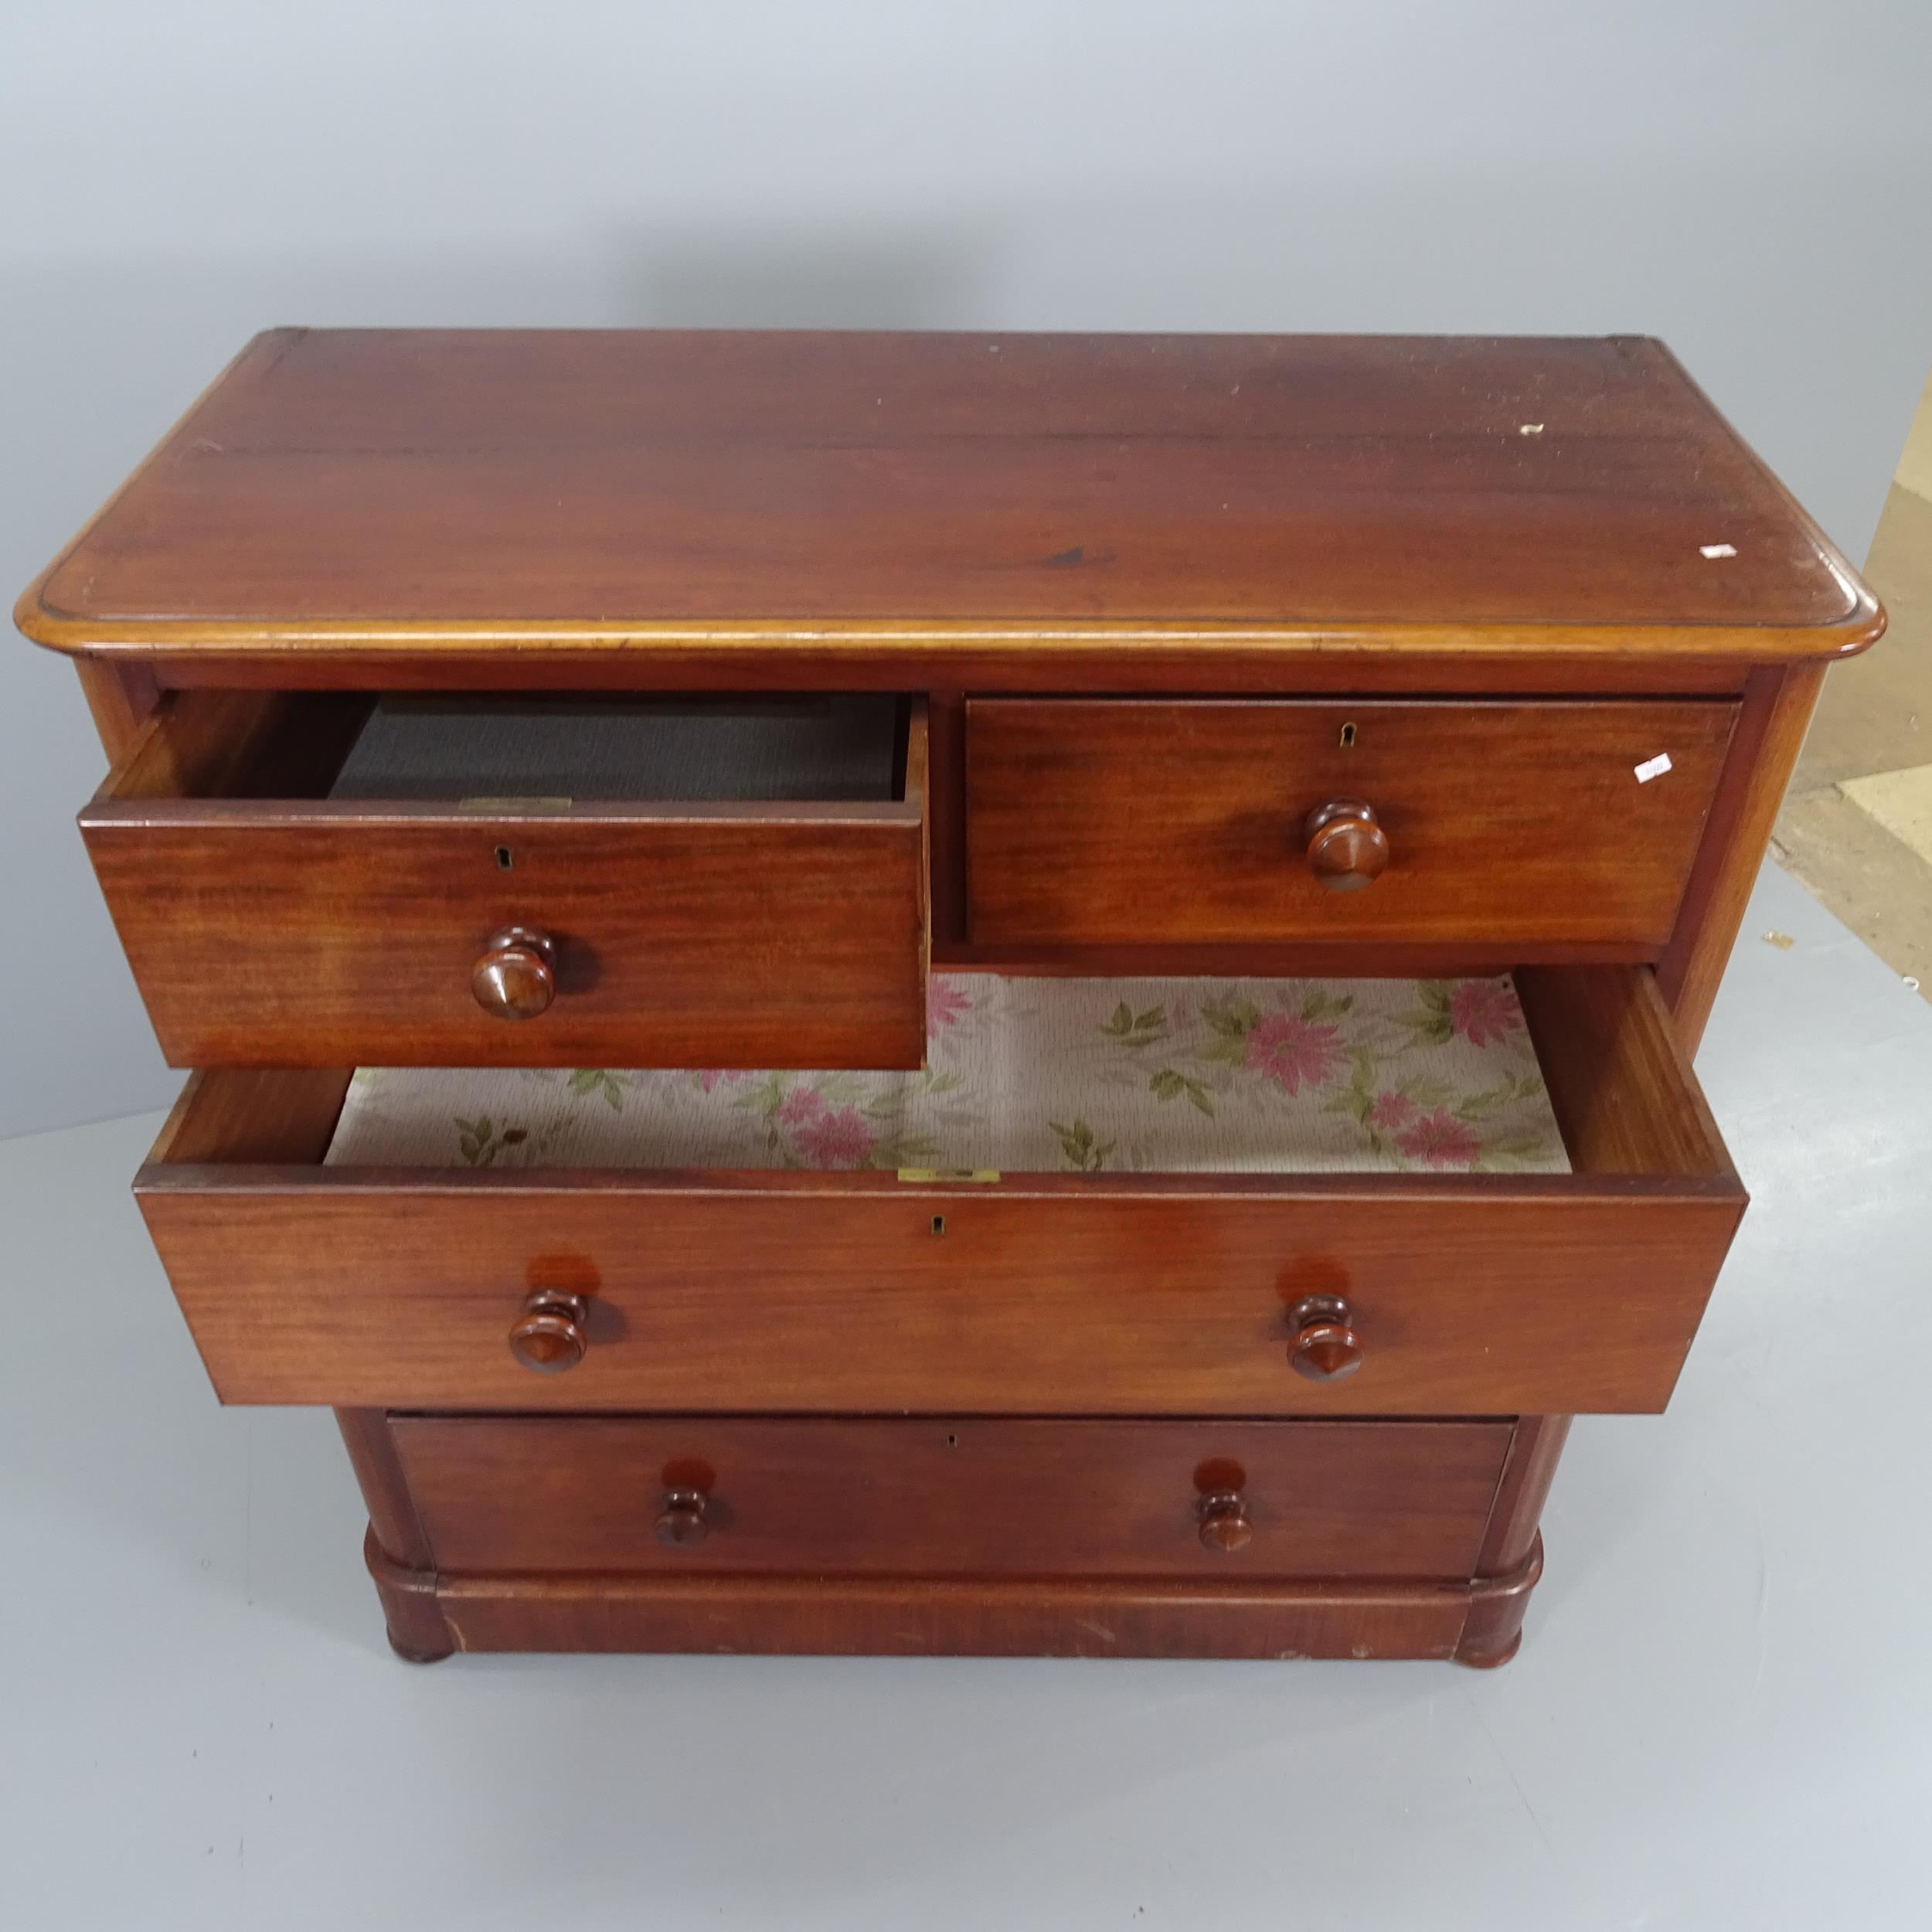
939	1224
505	858
1348	737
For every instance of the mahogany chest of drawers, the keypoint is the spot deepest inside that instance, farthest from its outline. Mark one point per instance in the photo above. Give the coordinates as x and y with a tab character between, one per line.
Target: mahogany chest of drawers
944	993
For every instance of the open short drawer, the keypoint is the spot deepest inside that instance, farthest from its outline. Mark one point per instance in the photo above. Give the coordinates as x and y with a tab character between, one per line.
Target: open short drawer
312	879
1042	1292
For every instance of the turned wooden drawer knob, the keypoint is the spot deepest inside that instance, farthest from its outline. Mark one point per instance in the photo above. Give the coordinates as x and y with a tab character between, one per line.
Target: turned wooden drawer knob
1224	1527
1325	1347
1347	846
516	976
682	1523
549	1336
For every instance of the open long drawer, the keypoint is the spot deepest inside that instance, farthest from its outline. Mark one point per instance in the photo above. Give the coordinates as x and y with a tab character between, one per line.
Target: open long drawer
1416	1289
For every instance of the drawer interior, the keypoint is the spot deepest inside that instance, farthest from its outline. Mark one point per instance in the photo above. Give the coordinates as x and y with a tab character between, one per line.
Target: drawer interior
551	750
1551	1071
1039	1074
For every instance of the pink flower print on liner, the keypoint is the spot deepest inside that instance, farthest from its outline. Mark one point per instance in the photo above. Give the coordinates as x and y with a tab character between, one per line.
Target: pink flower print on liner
801	1107
1390	1113
1291	1050
1439	1140
840	1139
1482	1011
708	1080
944	1004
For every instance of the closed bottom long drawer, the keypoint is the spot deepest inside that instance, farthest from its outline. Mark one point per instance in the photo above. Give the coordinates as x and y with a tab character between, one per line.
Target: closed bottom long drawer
952	1494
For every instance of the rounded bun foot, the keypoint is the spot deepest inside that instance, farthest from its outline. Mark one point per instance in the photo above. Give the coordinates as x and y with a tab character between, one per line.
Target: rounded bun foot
414	1654
1474	1659
1492	1632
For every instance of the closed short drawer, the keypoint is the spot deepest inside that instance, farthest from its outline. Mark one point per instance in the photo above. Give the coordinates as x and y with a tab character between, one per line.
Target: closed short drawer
952	1495
1512	831
315	879
1218	1290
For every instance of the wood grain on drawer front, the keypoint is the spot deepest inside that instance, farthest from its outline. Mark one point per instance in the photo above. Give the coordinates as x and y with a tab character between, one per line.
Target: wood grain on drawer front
946	1495
316	932
1511	826
1073	1294
1480	1296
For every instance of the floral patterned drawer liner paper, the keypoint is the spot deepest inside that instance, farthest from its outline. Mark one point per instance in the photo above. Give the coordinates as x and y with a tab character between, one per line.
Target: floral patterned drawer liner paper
1038	1075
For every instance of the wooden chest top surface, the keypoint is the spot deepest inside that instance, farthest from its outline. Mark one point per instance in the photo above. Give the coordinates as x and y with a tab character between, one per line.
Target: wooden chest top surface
360	491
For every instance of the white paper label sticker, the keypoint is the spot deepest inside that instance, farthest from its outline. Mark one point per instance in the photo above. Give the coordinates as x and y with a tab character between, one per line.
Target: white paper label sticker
1653	768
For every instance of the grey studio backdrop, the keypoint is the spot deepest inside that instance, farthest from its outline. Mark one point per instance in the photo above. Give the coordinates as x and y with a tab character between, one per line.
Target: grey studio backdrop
1749	180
